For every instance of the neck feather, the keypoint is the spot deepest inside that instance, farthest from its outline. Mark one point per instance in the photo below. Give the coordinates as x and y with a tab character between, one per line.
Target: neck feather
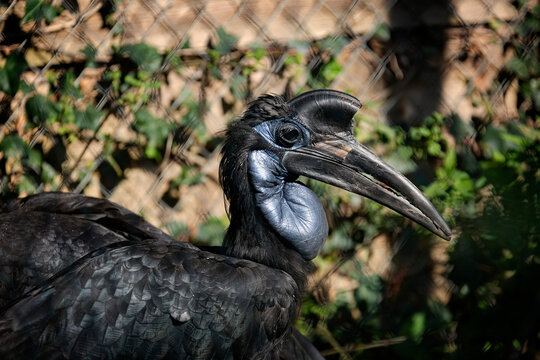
250	237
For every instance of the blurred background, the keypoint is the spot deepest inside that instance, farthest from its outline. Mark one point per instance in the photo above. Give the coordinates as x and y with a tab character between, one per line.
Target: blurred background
127	100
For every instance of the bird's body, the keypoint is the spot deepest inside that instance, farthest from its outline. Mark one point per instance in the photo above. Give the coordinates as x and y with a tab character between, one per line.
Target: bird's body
102	269
83	277
43	234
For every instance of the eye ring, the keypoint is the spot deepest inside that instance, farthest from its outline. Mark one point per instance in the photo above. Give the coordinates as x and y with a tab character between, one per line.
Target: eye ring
288	135
285	134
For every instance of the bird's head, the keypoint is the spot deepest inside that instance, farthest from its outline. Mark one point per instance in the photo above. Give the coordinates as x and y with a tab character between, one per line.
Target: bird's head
275	141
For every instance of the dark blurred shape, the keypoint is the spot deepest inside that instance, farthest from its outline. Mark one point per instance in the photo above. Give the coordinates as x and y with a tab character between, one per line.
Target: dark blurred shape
417	40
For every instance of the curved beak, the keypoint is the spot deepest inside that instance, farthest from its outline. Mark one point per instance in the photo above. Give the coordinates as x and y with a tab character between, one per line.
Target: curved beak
343	162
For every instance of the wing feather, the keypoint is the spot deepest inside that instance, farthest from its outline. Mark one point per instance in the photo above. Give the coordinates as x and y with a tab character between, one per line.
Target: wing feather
43	234
183	303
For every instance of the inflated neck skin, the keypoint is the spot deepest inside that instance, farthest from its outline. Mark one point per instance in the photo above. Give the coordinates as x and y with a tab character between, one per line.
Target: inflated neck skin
292	209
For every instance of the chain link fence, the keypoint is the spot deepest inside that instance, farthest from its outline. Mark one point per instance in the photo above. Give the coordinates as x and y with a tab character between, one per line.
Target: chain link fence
126	99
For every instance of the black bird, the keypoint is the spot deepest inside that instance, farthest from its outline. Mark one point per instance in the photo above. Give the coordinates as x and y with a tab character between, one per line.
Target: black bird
83	277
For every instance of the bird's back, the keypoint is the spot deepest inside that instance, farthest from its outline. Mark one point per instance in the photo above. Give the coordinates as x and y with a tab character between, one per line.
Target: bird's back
43	234
83	277
152	300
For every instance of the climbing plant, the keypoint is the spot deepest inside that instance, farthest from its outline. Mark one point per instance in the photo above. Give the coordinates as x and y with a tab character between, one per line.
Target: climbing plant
478	301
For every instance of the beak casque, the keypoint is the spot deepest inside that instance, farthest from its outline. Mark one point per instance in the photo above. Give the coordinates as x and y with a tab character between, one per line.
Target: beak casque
339	159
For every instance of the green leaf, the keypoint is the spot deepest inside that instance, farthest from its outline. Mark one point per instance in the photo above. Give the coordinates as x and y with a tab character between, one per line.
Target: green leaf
239	87
33	160
13	146
339	239
156	130
437	189
191	119
418	324
294	59
25	88
322	311
401	159
512	139
27	185
417	133
48	173
450	160
89	118
133	81
68	87
5	86
463	184
39	9
257	53
152	153
90	52
368	292
143	55
334	44
211	232
214	55
519	67
497	141
382	32
10	74
386	133
461	129
434	148
226	42
189	176
40	109
331	70
177	229
215	71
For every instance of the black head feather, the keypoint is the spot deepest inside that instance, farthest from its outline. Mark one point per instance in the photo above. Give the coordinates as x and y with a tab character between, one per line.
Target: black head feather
240	139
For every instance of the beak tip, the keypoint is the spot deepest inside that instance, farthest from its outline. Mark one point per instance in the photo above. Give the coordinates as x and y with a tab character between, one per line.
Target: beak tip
444	232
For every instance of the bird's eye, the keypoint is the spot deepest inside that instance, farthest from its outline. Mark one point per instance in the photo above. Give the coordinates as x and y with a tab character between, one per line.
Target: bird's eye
283	133
288	135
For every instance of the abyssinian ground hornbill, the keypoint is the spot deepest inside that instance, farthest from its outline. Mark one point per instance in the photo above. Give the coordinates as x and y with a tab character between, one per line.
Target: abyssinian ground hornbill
85	278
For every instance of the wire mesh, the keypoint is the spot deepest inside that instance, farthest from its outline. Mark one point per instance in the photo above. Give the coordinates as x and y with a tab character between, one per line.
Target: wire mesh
407	59
127	100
